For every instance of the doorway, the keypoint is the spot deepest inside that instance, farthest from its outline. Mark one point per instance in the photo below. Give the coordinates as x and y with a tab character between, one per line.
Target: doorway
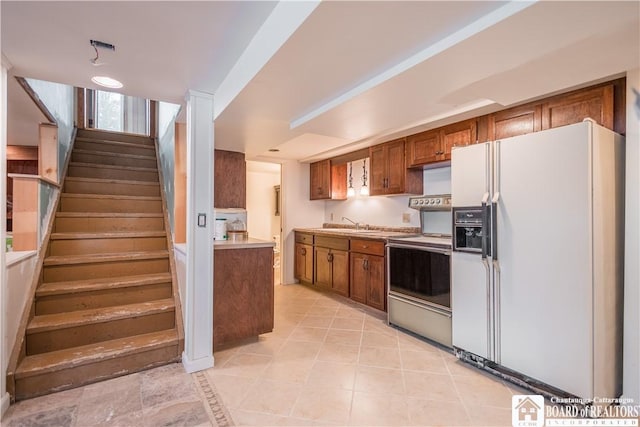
264	219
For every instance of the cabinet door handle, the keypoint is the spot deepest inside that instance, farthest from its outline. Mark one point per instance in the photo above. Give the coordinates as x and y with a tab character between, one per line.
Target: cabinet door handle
365	264
303	251
330	257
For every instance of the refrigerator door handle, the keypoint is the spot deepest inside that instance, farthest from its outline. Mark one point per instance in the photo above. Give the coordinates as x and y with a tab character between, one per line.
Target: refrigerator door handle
494	228
487	267
496	314
485	224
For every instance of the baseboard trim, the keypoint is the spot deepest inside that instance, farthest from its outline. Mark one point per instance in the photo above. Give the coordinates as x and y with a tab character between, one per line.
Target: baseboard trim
4	405
196	365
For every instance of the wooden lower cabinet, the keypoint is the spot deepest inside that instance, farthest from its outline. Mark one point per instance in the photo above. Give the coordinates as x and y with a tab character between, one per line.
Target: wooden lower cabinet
367	281
304	263
332	270
242	294
328	264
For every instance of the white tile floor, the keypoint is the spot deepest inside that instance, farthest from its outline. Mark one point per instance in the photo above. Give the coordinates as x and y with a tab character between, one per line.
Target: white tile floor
329	361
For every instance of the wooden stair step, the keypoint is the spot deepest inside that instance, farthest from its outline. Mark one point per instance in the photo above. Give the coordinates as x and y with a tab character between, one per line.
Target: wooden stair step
81	185
78	202
74	243
108	215
57	331
108	196
102	258
109	158
94	266
95	170
113	235
113	142
101	222
75	295
114	154
104	181
78	286
91	353
69	368
50	322
115	136
101	166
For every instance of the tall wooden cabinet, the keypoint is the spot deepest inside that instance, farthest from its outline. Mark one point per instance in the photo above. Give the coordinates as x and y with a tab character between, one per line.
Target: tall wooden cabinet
230	180
388	170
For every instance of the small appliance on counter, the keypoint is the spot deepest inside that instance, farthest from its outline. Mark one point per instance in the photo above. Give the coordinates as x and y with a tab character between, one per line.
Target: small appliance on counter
419	274
237	230
232	223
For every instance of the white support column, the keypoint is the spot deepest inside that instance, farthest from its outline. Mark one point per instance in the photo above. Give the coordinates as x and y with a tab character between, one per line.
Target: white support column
4	347
198	301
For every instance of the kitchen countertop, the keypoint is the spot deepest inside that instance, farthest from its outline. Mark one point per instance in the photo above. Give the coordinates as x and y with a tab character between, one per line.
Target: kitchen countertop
360	234
250	243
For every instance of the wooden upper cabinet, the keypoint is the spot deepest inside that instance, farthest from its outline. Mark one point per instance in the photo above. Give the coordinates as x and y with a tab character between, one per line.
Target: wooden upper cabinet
397	168
515	121
424	148
377	170
320	178
327	181
230	180
388	172
435	145
574	107
458	135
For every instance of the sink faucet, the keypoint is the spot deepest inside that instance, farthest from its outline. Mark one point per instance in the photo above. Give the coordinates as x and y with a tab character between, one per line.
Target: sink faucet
357	224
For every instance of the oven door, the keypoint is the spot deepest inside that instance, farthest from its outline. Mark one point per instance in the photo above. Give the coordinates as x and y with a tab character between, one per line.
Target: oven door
419	297
420	273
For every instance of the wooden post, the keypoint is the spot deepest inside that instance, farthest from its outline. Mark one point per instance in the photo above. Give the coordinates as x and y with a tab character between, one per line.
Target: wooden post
180	185
48	152
80	108
153	118
25	212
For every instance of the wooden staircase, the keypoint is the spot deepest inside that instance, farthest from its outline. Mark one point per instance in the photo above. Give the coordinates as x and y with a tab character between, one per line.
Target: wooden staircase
106	302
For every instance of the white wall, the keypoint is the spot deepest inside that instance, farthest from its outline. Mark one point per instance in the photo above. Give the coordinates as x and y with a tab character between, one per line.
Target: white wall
384	210
297	211
4	362
19	278
262	223
631	356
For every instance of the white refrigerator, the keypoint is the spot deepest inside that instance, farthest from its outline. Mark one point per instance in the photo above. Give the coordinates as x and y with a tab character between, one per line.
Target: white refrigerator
546	302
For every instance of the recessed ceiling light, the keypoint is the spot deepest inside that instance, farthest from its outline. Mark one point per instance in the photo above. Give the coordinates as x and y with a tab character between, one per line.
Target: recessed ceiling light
273	150
106	82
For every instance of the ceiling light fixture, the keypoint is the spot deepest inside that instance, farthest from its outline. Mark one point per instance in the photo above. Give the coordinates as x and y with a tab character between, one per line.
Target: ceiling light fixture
351	191
274	150
106	82
364	190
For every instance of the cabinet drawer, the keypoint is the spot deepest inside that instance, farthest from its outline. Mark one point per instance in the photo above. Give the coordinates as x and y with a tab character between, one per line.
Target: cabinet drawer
371	247
332	242
307	239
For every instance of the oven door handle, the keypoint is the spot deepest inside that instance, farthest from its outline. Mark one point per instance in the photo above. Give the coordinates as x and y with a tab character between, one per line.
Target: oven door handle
394	295
420	248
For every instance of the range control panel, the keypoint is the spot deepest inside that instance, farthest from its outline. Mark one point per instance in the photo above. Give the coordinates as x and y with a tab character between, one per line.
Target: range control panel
441	202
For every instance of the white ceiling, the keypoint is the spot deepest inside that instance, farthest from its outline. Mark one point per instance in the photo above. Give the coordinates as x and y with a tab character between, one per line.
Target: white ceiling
353	73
